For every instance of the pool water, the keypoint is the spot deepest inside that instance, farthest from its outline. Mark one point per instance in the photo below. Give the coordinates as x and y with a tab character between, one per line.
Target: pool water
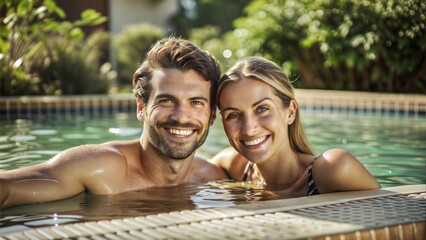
393	149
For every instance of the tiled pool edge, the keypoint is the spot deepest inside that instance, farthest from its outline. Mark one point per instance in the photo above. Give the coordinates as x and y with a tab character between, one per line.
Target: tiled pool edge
413	105
386	104
391	213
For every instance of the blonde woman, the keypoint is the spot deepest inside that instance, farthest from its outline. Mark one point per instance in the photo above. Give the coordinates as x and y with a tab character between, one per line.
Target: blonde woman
262	122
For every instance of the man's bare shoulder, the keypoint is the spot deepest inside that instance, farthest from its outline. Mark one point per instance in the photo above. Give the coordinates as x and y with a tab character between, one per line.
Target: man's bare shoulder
95	152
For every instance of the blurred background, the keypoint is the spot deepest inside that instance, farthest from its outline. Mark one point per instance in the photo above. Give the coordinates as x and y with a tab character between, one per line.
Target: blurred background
72	47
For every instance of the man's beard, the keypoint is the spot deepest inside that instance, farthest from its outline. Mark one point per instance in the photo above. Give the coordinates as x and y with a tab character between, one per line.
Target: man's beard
178	151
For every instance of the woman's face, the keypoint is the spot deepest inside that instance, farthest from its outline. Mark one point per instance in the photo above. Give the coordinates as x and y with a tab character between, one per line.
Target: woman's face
254	119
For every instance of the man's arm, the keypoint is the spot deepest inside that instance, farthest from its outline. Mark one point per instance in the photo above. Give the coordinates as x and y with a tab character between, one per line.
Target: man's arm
36	184
64	176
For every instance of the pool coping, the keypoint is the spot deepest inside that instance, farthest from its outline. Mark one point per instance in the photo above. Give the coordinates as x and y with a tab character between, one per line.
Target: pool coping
388	213
386	104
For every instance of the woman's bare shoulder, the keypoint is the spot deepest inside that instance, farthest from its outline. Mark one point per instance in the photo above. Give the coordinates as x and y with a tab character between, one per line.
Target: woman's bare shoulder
338	170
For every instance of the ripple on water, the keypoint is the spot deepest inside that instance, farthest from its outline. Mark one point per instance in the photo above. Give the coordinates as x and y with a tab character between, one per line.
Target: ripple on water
44	132
7	146
80	136
56	140
124	132
22	138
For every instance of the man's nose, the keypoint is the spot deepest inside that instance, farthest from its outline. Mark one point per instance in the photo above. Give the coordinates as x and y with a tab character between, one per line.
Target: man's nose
181	113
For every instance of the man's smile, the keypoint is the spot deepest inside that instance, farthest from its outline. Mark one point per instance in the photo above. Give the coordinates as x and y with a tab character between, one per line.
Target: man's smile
180	132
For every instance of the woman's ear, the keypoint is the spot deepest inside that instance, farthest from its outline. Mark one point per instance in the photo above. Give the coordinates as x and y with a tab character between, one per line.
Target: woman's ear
291	112
140	107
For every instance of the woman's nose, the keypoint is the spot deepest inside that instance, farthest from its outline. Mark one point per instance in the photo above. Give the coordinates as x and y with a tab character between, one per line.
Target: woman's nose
249	126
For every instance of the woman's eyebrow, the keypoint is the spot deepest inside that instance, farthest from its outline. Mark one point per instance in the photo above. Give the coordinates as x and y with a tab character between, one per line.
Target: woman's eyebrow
253	105
260	101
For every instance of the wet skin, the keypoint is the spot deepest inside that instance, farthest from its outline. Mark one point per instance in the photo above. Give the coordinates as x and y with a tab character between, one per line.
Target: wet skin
256	123
176	121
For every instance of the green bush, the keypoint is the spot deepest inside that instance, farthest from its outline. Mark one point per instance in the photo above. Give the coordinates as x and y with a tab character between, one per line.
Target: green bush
364	45
223	47
201	13
35	48
131	46
72	67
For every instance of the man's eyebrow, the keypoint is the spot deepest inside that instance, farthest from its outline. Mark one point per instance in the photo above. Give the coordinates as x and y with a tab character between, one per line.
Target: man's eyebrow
200	98
165	95
169	96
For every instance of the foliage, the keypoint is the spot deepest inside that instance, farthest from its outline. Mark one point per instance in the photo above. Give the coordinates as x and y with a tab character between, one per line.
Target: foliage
34	48
220	46
365	45
131	46
196	14
72	67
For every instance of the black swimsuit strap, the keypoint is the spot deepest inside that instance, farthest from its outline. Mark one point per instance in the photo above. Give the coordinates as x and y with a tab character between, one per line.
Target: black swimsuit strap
312	188
247	170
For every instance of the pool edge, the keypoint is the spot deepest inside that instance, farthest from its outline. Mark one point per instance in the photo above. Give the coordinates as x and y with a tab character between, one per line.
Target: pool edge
313	217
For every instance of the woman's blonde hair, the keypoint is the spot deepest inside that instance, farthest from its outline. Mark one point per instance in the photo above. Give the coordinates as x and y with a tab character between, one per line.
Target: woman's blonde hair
271	74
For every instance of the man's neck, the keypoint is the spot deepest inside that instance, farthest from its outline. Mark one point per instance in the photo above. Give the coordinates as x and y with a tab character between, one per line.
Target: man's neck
163	170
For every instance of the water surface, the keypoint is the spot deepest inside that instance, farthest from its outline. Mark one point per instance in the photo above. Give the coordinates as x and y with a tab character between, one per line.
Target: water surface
393	149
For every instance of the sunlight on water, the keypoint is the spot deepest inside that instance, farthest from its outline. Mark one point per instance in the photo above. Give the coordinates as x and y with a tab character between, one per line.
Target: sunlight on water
393	150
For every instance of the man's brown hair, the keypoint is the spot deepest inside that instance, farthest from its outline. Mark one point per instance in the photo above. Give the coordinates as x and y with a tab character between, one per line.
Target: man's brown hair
177	54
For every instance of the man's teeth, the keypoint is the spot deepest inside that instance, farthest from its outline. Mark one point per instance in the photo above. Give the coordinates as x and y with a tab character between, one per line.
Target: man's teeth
255	141
180	132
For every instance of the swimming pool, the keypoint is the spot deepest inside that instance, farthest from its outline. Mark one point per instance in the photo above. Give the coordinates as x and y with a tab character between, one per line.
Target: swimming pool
392	148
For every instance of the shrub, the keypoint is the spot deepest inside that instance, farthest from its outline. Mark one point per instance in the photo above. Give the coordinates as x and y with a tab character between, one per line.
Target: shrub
31	43
72	67
131	46
364	45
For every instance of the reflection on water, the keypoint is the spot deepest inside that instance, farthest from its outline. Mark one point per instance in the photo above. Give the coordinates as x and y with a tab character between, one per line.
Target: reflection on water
393	150
89	207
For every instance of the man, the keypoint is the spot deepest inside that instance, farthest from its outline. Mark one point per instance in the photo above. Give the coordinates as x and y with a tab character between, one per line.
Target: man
175	88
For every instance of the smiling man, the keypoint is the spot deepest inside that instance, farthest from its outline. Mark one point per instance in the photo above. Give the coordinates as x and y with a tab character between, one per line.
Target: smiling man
175	88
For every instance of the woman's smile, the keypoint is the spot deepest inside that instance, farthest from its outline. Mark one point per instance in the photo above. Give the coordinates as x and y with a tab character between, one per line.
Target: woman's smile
255	142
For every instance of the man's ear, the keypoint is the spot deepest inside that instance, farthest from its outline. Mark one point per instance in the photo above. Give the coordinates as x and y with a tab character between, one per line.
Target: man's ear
140	109
212	116
291	112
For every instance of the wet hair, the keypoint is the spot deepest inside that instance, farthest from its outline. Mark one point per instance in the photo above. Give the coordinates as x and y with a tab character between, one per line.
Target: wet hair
180	54
270	73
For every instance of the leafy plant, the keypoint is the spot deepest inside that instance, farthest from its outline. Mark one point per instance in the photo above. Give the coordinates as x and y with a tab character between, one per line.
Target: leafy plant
364	45
131	46
26	42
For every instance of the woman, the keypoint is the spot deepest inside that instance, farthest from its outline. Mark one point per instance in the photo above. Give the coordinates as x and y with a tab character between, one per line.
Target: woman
261	120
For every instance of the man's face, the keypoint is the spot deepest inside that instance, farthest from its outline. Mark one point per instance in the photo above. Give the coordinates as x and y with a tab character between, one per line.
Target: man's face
178	114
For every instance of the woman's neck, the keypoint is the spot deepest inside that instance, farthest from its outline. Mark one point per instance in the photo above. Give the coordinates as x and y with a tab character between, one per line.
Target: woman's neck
285	169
